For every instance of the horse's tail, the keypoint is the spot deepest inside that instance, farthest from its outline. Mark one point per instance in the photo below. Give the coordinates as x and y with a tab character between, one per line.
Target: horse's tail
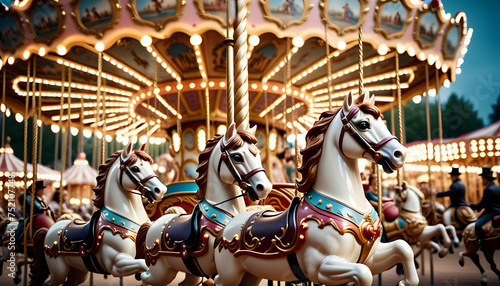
140	242
39	271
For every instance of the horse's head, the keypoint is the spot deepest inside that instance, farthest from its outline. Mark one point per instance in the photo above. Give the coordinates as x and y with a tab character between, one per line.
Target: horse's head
364	134
136	174
236	160
409	197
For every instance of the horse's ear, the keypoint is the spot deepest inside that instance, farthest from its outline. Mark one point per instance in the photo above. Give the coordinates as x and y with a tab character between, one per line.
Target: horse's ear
371	98
126	151
231	131
143	147
347	103
253	129
366	96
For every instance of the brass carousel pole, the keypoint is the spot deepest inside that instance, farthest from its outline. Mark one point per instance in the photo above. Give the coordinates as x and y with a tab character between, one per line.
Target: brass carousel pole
229	66
241	101
427	113
440	124
328	68
400	115
63	144
25	158
103	118
3	113
34	148
70	137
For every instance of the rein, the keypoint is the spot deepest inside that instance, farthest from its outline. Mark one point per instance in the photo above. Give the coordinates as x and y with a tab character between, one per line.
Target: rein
371	148
241	180
139	184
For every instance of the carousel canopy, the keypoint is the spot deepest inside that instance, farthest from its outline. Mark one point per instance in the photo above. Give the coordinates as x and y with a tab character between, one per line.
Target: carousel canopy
10	164
166	63
80	173
473	149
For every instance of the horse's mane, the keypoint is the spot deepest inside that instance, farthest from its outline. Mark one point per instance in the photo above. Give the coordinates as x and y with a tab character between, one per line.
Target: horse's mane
241	137
314	143
104	169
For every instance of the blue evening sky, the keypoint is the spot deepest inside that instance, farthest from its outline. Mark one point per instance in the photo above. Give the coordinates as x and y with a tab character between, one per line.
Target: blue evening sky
479	81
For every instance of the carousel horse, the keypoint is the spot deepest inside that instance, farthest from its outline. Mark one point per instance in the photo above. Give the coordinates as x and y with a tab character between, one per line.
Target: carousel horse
106	244
459	217
491	243
331	235
184	243
412	226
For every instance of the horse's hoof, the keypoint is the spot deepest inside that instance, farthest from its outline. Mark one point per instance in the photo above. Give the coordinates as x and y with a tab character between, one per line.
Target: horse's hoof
461	259
17	280
138	276
403	283
416	264
451	249
456	244
443	252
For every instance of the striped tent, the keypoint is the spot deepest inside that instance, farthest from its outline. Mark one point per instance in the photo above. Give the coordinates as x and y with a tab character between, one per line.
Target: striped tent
10	164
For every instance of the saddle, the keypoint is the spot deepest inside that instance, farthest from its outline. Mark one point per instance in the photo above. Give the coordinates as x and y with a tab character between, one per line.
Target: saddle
182	232
269	233
79	235
491	229
464	215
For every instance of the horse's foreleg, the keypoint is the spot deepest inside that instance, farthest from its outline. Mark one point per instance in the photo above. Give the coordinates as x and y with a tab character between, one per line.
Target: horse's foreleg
389	254
435	231
125	265
453	232
335	270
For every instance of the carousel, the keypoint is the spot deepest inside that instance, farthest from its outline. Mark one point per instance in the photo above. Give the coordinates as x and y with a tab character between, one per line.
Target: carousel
249	84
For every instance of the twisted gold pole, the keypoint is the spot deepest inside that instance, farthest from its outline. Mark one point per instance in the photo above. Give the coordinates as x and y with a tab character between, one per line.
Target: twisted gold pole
25	158
63	156
360	60
428	121
229	67
241	101
34	148
328	68
400	114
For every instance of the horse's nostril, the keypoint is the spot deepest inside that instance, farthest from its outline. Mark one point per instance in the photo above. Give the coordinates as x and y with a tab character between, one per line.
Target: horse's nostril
398	154
260	187
157	190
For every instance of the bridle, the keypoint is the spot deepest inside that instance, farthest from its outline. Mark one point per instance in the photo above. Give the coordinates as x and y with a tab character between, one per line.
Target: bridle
140	185
371	148
241	180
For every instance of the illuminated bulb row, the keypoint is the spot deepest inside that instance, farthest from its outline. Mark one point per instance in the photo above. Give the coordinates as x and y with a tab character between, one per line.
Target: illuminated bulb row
273	105
127	69
155	111
131	126
110	120
79	105
314	67
93	71
163	63
280	65
347	70
15	86
201	63
170	108
289	110
137	130
89	112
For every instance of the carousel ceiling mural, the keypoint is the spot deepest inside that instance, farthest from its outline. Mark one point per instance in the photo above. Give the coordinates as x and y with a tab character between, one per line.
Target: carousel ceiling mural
164	63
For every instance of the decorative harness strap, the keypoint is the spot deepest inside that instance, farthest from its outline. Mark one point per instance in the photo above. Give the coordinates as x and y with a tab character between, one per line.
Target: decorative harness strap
241	180
140	184
369	147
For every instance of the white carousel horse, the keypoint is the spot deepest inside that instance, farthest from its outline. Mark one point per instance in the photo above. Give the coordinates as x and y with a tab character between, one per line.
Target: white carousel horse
331	235
416	230
184	243
106	244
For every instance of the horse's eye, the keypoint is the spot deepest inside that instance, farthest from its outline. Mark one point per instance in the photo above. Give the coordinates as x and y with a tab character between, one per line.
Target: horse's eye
363	125
135	169
237	158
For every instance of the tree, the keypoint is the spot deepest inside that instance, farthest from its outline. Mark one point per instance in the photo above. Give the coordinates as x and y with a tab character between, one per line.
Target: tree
459	117
495	116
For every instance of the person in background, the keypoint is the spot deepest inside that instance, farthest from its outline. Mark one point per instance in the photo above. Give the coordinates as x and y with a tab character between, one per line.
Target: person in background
456	194
490	203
